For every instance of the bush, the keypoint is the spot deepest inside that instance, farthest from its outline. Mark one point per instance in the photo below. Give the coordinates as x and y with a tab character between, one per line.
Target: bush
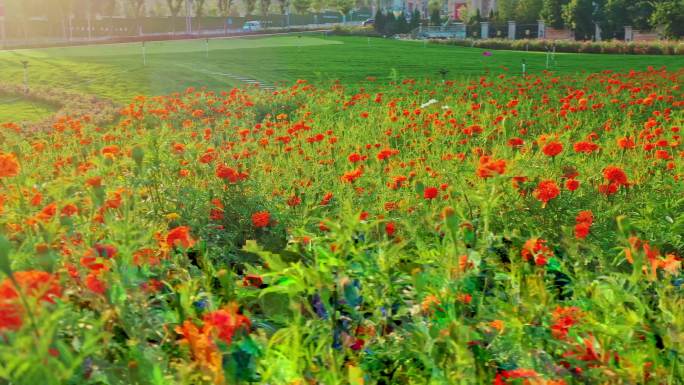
663	47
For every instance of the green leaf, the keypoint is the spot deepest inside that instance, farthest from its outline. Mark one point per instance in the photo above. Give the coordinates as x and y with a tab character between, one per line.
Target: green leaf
5	263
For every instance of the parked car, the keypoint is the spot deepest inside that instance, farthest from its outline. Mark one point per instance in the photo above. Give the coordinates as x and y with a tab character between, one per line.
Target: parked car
252	26
369	22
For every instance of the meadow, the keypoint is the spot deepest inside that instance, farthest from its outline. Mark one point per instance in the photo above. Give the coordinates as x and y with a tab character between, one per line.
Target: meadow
117	72
353	225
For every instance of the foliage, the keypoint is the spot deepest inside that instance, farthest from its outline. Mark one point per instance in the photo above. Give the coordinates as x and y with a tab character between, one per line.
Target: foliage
552	13
496	229
669	15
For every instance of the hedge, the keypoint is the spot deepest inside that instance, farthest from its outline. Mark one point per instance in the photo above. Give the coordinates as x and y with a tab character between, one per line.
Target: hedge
661	47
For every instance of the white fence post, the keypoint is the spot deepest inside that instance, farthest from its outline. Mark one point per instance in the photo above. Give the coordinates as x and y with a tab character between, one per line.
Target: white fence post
484	30
511	30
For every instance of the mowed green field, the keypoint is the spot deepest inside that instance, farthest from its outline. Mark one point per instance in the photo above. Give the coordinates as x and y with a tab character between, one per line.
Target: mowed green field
15	108
116	71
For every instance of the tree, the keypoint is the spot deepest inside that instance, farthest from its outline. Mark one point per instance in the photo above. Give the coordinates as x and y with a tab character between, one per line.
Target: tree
250	6
527	11
669	15
401	25
136	8
282	6
174	6
435	17
264	5
390	24
506	10
552	13
379	23
577	14
344	6
415	19
301	6
199	7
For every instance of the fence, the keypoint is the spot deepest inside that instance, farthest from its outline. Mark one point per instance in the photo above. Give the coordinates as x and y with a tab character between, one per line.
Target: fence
104	27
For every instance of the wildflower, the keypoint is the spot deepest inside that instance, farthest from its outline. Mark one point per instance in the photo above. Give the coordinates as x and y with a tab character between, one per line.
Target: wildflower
488	167
430	192
226	321
536	249
572	184
615	175
563	319
552	149
180	236
203	349
583	222
390	228
9	166
546	190
261	219
229	174
40	285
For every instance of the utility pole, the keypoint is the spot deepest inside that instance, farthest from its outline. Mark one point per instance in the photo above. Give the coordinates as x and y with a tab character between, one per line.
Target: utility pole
188	17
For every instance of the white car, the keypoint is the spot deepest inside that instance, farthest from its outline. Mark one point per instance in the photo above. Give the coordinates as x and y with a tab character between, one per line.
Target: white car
251	26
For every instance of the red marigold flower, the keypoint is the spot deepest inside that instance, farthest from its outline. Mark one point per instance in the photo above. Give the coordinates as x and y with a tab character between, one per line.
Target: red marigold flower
261	219
95	284
326	198
615	175
294	201
229	174
488	166
351	176
546	190
553	148
572	184
516	142
390	228
252	280
226	322
626	143
585	147
430	192
608	189
563	319
582	230
363	216
536	249
180	236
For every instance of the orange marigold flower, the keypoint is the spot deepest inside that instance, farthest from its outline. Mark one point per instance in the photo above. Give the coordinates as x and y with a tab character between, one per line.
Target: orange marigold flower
40	285
180	236
9	166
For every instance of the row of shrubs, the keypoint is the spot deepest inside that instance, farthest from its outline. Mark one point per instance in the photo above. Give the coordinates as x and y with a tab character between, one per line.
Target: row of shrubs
662	47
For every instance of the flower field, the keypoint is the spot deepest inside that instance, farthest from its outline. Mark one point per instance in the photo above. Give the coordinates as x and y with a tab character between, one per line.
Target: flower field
497	230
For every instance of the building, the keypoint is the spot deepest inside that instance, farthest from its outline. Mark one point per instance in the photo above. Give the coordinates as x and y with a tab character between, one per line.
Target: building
454	9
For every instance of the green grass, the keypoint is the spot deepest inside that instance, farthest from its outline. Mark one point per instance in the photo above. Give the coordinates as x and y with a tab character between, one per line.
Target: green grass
117	71
16	109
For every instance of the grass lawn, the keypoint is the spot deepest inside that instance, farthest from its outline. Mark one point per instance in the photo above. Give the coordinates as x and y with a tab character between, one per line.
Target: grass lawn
16	109
117	71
